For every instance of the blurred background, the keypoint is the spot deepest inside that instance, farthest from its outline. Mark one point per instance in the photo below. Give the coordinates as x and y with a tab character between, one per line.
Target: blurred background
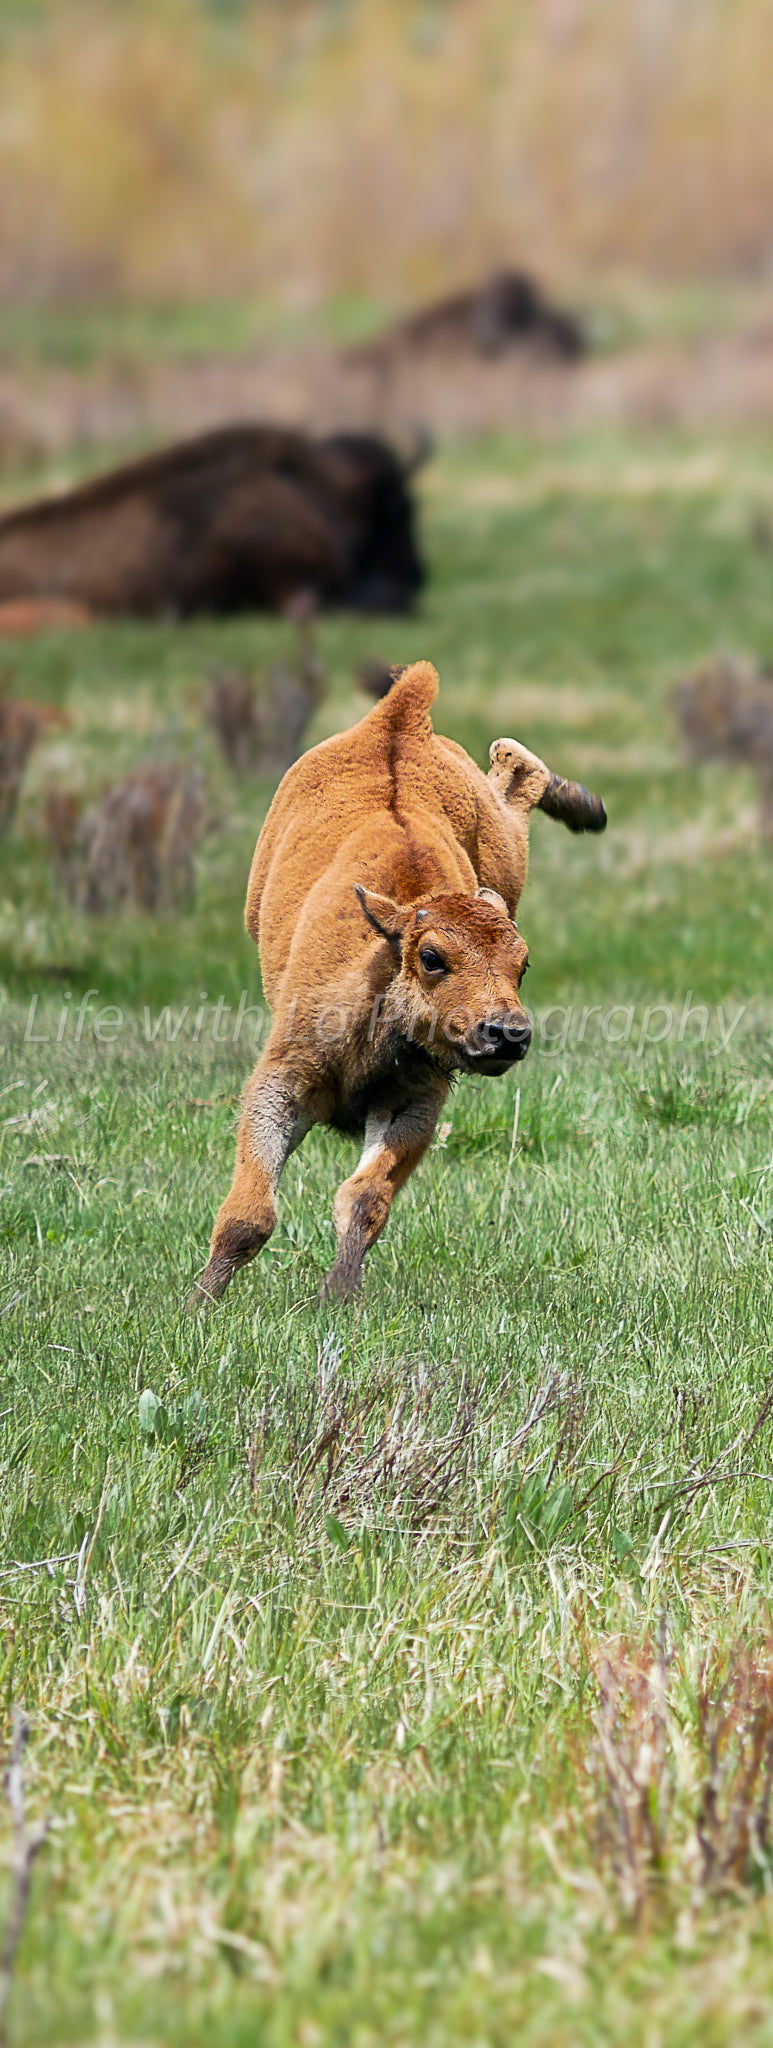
309	153
226	187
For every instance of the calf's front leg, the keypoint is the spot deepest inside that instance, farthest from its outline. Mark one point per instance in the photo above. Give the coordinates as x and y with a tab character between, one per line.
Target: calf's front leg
395	1141
276	1115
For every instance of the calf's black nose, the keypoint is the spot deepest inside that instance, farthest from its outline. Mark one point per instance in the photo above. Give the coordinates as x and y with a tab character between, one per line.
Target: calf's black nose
506	1041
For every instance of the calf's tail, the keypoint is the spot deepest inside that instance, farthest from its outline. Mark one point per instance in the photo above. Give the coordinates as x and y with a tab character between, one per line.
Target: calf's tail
574	805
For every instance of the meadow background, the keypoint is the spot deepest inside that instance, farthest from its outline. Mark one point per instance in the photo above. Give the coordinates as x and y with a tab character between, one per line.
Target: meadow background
315	150
402	1672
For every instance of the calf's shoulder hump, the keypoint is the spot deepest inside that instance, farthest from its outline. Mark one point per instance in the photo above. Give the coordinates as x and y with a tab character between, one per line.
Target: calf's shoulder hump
329	789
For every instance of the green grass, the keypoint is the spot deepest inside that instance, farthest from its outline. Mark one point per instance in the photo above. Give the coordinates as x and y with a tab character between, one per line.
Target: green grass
83	337
319	1673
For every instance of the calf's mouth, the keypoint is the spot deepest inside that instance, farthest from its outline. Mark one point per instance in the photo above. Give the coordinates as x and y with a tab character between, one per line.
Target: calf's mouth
495	1046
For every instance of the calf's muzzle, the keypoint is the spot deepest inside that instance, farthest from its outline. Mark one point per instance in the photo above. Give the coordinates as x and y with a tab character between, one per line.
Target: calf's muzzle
497	1043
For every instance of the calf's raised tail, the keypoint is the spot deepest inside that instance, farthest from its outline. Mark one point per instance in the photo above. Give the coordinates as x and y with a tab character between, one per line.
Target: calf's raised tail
575	805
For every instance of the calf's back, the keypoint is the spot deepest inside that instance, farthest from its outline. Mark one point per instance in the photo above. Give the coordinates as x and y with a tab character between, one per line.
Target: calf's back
389	804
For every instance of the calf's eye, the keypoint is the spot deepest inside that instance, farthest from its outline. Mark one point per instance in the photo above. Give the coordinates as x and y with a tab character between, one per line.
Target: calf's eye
432	962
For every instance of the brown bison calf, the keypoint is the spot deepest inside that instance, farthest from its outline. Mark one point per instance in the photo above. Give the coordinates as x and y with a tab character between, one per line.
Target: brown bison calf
382	896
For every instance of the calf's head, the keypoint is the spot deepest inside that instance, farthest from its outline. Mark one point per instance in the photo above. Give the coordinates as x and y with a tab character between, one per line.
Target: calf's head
456	993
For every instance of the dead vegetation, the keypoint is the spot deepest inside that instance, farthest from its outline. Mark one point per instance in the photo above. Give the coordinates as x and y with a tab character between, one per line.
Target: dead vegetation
724	381
725	713
260	725
362	1458
134	847
623	1774
384	1456
735	1725
21	726
27	1841
668	1800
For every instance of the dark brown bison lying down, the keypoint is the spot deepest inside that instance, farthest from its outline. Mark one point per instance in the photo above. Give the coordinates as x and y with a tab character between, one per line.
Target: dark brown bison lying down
506	311
245	518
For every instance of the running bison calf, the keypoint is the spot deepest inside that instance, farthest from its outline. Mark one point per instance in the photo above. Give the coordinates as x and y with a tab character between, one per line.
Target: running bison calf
244	518
382	896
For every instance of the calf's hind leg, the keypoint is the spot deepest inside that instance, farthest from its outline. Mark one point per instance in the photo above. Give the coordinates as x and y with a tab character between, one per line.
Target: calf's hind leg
274	1119
394	1143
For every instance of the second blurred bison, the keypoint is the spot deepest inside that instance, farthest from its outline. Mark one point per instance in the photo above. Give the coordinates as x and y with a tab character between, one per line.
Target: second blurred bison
505	312
244	518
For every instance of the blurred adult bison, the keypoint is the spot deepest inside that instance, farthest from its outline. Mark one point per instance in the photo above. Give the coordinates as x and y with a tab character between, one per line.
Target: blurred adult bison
507	311
243	518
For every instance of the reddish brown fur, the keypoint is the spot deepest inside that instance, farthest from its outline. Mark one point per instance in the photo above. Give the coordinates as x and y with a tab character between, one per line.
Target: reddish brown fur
383	847
25	616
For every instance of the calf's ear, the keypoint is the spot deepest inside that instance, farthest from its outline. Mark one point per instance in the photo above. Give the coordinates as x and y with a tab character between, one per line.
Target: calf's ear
387	918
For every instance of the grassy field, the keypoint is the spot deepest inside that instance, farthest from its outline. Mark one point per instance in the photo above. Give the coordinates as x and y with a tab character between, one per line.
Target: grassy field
404	1673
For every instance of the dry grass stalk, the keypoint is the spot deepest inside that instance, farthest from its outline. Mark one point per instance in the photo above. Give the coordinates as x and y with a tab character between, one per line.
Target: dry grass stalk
626	1768
644	1832
736	1732
405	1470
728	1466
725	713
26	1844
135	846
21	725
261	731
18	732
384	1454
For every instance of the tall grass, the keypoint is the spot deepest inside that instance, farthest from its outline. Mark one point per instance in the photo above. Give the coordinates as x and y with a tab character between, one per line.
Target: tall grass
172	149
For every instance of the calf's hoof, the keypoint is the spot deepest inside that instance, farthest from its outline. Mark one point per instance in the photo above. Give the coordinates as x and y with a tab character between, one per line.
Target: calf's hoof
234	1244
209	1290
340	1284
